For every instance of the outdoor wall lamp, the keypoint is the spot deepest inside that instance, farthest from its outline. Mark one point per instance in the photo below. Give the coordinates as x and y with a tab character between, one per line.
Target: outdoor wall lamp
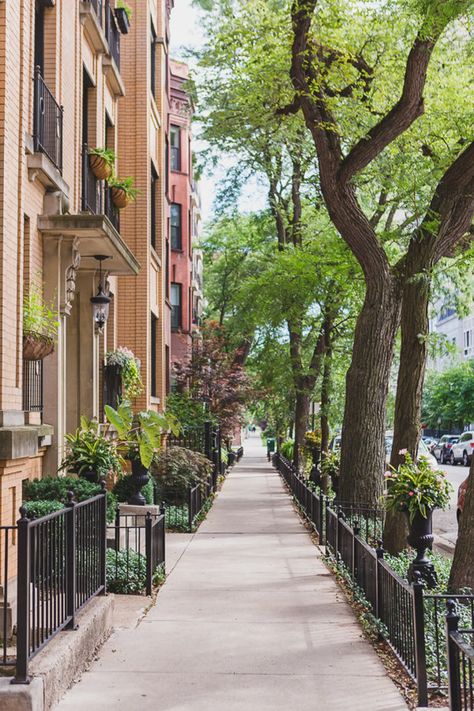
100	302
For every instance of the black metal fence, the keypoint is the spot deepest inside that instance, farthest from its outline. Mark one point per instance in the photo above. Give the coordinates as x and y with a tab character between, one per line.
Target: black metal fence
138	541
8	540
91	187
47	122
197	497
411	620
33	385
460	646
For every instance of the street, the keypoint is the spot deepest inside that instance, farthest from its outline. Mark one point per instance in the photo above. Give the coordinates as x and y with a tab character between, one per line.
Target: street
445	526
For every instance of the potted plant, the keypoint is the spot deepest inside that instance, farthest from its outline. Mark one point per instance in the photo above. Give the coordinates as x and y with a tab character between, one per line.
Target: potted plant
139	439
90	453
102	162
40	326
415	489
123	192
123	15
122	376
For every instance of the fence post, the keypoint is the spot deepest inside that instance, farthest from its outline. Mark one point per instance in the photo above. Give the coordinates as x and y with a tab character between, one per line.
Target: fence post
117	528
163	532
355	532
420	648
190	509
322	515
71	560
207	440
454	677
103	539
23	601
379	551
149	562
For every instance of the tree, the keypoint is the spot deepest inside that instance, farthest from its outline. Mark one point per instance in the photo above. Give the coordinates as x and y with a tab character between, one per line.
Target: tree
462	570
344	82
448	399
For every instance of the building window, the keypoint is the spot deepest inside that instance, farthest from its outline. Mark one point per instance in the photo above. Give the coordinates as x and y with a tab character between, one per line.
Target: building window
153	59
175	141
153	186
153	355
176	227
175	298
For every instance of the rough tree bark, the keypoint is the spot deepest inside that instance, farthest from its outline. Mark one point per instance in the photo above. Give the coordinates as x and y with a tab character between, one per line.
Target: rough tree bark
462	571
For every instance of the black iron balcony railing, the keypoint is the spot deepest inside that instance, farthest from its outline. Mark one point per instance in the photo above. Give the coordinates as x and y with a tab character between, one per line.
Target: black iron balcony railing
110	210
91	187
33	386
47	122
112	33
98	8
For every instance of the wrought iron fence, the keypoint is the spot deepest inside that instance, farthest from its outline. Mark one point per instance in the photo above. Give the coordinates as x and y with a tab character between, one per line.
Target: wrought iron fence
197	497
60	567
141	534
97	5
112	34
410	619
460	648
33	385
111	211
91	187
8	540
47	122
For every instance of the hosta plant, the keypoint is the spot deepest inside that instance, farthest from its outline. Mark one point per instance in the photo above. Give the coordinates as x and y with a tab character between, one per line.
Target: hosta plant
415	487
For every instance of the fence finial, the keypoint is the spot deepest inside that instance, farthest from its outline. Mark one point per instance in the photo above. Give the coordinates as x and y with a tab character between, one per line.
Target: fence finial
380	550
451	608
23	513
103	485
70	498
162	507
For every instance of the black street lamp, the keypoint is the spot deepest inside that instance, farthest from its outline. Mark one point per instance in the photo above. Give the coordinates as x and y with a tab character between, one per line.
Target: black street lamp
101	301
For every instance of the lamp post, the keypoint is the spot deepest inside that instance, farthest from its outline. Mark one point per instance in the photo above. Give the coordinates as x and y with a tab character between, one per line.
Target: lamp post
101	301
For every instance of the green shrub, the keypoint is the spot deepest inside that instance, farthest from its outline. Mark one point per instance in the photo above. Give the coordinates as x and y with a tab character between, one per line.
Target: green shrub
124	489
287	449
55	489
37	509
125	571
175	470
177	519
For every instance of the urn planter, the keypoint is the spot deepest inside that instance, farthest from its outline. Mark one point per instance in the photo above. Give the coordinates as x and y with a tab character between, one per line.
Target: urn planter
420	537
139	479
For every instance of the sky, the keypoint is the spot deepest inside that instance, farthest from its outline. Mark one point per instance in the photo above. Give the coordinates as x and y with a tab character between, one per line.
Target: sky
186	32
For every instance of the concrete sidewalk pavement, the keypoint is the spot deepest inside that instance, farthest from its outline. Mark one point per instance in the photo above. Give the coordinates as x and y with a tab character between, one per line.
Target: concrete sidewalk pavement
250	619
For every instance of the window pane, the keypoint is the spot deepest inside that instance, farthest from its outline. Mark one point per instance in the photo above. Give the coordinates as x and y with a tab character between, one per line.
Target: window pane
175	223
175	298
175	142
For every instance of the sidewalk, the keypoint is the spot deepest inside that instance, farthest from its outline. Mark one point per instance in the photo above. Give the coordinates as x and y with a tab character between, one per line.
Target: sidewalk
250	619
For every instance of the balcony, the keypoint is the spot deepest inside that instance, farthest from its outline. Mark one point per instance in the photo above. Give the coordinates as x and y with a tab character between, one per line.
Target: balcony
33	386
47	123
112	34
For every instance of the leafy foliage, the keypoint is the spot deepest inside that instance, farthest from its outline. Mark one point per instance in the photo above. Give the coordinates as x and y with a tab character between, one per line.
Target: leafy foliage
287	449
176	469
130	370
90	450
39	317
56	489
416	487
125	572
37	509
449	397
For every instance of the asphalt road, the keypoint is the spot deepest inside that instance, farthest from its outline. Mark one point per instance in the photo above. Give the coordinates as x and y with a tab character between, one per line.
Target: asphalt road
445	526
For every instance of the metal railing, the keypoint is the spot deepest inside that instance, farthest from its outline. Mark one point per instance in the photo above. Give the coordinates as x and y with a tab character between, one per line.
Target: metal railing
460	649
197	497
143	534
111	211
91	187
98	9
8	539
112	34
60	567
47	122
33	385
412	620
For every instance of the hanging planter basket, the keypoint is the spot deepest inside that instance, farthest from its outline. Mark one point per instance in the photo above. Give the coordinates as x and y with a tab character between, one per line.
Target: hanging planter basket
36	346
120	198
122	20
99	166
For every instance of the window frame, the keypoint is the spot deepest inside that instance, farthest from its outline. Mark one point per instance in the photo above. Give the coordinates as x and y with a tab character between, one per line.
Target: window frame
176	323
179	227
175	150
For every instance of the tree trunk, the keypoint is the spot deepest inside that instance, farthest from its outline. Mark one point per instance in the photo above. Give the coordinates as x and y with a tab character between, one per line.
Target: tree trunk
462	571
363	433
301	424
411	375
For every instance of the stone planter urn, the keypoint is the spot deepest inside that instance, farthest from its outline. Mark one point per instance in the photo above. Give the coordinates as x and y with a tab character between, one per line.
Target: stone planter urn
139	479
90	475
420	537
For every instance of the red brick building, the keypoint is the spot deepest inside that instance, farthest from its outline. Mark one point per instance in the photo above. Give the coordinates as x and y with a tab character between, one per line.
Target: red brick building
184	205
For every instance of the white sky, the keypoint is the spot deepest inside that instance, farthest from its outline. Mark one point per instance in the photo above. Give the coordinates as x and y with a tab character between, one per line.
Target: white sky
186	32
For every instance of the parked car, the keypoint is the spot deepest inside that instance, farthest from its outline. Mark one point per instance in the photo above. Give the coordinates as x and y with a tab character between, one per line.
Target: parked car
423	451
461	496
443	450
462	450
430	442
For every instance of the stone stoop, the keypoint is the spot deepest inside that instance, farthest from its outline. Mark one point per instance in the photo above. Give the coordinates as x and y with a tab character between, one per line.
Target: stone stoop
62	661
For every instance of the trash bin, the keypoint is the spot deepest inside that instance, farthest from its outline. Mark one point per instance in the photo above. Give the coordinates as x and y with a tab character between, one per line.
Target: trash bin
270	446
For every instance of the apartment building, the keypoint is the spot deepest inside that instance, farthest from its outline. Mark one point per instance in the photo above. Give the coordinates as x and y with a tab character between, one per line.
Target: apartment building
61	94
185	217
457	331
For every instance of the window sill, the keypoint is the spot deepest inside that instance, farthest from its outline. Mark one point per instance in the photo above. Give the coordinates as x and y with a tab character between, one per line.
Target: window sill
180	250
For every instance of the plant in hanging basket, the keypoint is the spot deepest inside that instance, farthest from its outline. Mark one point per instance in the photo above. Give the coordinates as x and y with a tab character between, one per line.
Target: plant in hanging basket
40	326
415	488
102	161
130	367
123	191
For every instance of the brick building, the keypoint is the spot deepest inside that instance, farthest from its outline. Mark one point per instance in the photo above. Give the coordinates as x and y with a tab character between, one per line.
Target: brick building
184	206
